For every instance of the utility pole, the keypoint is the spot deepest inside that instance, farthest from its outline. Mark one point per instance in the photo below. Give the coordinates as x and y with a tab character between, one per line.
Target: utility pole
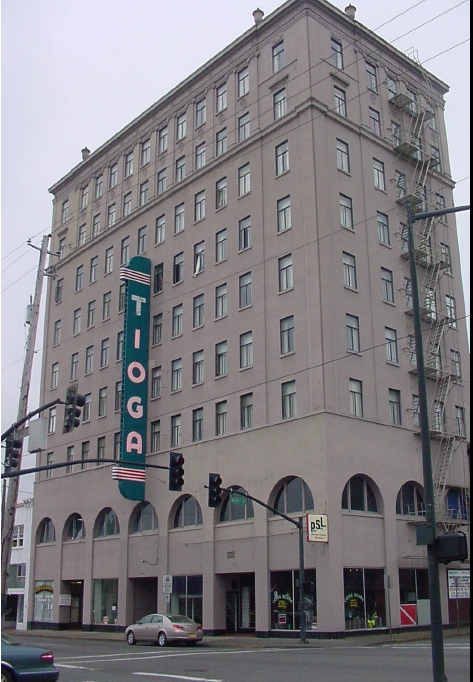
13	486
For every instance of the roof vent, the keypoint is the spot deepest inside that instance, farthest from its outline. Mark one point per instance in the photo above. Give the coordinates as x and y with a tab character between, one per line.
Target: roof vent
258	15
85	153
350	11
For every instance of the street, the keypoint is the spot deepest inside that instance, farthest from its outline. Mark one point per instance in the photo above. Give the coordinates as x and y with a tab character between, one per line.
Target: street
82	660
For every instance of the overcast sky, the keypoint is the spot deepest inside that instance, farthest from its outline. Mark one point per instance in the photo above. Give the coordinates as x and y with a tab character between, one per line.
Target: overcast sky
75	73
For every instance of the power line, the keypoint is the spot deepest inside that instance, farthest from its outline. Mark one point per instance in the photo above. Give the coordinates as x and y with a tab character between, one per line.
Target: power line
429	21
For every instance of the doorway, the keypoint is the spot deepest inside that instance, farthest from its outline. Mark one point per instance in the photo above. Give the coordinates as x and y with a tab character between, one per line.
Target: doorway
240	604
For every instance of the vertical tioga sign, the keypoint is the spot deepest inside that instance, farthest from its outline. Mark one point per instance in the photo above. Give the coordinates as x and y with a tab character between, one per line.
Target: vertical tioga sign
133	421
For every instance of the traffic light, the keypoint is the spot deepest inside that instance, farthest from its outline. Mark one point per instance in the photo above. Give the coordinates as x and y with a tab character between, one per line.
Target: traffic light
451	547
12	453
74	401
215	491
176	471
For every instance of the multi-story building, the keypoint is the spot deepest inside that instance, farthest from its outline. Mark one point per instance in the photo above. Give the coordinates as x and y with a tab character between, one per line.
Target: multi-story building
17	593
268	192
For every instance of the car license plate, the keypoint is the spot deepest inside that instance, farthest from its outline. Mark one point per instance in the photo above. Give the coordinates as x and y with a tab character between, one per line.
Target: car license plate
191	634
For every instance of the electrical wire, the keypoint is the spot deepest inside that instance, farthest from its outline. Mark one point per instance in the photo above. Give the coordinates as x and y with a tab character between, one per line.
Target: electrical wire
429	21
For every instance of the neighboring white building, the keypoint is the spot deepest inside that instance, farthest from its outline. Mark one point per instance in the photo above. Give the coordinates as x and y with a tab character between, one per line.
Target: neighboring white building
17	599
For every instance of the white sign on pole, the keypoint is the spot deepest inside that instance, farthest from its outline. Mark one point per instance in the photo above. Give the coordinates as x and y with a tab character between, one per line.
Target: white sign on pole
458	584
167	584
317	527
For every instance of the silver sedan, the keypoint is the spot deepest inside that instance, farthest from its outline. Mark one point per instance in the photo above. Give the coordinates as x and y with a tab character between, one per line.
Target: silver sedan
164	629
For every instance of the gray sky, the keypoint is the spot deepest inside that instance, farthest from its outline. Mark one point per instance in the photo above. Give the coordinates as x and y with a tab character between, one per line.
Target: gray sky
73	74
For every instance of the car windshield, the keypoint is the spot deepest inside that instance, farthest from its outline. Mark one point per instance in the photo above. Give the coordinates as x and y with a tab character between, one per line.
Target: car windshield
6	639
180	619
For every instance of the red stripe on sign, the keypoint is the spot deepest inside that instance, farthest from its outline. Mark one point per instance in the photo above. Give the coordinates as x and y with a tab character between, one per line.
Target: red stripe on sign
135	276
124	474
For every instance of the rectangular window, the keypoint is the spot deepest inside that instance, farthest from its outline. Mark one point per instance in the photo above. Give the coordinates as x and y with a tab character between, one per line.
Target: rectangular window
102	401
199	206
356	398
455	363
162	140
199	257
175	430
221	301
401	187
127	204
65	211
52	420
221	359
57	332
54	375
245	290
84	453
177	320
94	268
158	278
111	215
86	410
286	335
392	353
221	142
244	233
100	448
113	176
180	169
438	420
383	229
141	241
157	328
69	459
221	98
408	293
200	113
375	122
460	420
81	235
104	352
116	445
391	86
49	460
279	59
451	311
346	212
108	260
246	350
246	411
98	186
349	270
221	412
181	127
243	82
340	101
125	250
89	360
395	406
337	53
197	424
128	164
200	156
176	375
76	322
119	355
161	180
279	104
198	311
156	382
221	193
343	156
440	204
379	176
59	290
74	366
198	367
396	133
371	77
145	152
284	214
353	333
18	536
446	257
243	128
144	193
79	278
90	314
282	158
221	246
160	230
288	395
96	225
178	268
285	273
244	180
107	305
387	285
415	412
118	396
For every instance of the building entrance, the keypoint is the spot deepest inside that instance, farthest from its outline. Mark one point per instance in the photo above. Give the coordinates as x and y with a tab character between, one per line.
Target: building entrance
240	603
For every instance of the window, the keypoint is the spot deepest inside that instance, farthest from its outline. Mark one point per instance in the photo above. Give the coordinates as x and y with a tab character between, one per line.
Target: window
199	257
86	410
396	133
387	282
353	333
435	161
383	229
415	412
340	101
161	182
175	430
455	362
359	496
157	328
176	375
52	420
221	414
108	260
244	234
57	332
120	347
18	536
401	187
446	257
74	366
246	411
395	406
180	169
356	398
200	156
221	359
125	250
391	86
198	367
118	396
284	214
85	453
451	311
221	193
59	290
221	246
349	270
430	302
285	273
62	247
221	301
102	401
282	158
141	241
181	127
408	293
100	447
94	267
178	268
65	211
54	375
244	180
379	177
294	496
286	335
221	97
188	514
198	311
128	164
76	320
111	215
160	230
221	142
81	235
104	352
98	186
337	53
197	424
199	206
145	152
440	204
243	82
460	420
144	193
89	360
79	278
107	305
156	382
375	122
200	113
158	278
245	290
243	128
246	350
279	60
288	396
371	77
90	314
390	336
177	320
113	176
47	532
343	156
279	104
346	212
162	140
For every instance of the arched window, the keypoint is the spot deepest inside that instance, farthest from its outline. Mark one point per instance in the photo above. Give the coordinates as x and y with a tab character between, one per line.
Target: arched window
233	510
74	528
144	519
294	496
188	513
359	496
409	501
46	532
456	506
107	524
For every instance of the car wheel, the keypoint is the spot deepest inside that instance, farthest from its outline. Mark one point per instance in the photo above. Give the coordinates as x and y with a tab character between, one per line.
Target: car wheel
162	639
130	638
6	676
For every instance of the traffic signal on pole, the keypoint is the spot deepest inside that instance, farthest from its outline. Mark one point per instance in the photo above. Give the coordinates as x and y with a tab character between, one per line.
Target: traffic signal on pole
215	491
12	453
176	471
72	409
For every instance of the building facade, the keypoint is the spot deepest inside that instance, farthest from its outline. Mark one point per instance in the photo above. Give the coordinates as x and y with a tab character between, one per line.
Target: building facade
268	192
17	594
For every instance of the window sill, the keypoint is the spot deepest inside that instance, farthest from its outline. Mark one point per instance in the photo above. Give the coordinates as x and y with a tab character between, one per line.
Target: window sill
393	363
155	397
221	376
280	175
345	286
220	208
354	352
344	171
245	307
389	303
222	317
287	229
243	369
285	291
289	352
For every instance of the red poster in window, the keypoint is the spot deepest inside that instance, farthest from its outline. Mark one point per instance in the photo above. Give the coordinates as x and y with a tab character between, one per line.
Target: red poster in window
408	614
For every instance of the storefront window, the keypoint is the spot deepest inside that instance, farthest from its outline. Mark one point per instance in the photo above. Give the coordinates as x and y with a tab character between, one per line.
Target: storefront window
364	598
43	601
186	598
106	601
285	613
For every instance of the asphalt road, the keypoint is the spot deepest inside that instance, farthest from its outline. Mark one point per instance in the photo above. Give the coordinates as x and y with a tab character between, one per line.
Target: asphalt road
81	660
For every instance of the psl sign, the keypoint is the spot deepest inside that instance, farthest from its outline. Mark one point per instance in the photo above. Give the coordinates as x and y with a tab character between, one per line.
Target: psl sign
131	472
317	528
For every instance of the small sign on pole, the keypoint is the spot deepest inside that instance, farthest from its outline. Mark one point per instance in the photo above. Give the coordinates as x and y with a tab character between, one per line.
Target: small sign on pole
167	584
317	528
